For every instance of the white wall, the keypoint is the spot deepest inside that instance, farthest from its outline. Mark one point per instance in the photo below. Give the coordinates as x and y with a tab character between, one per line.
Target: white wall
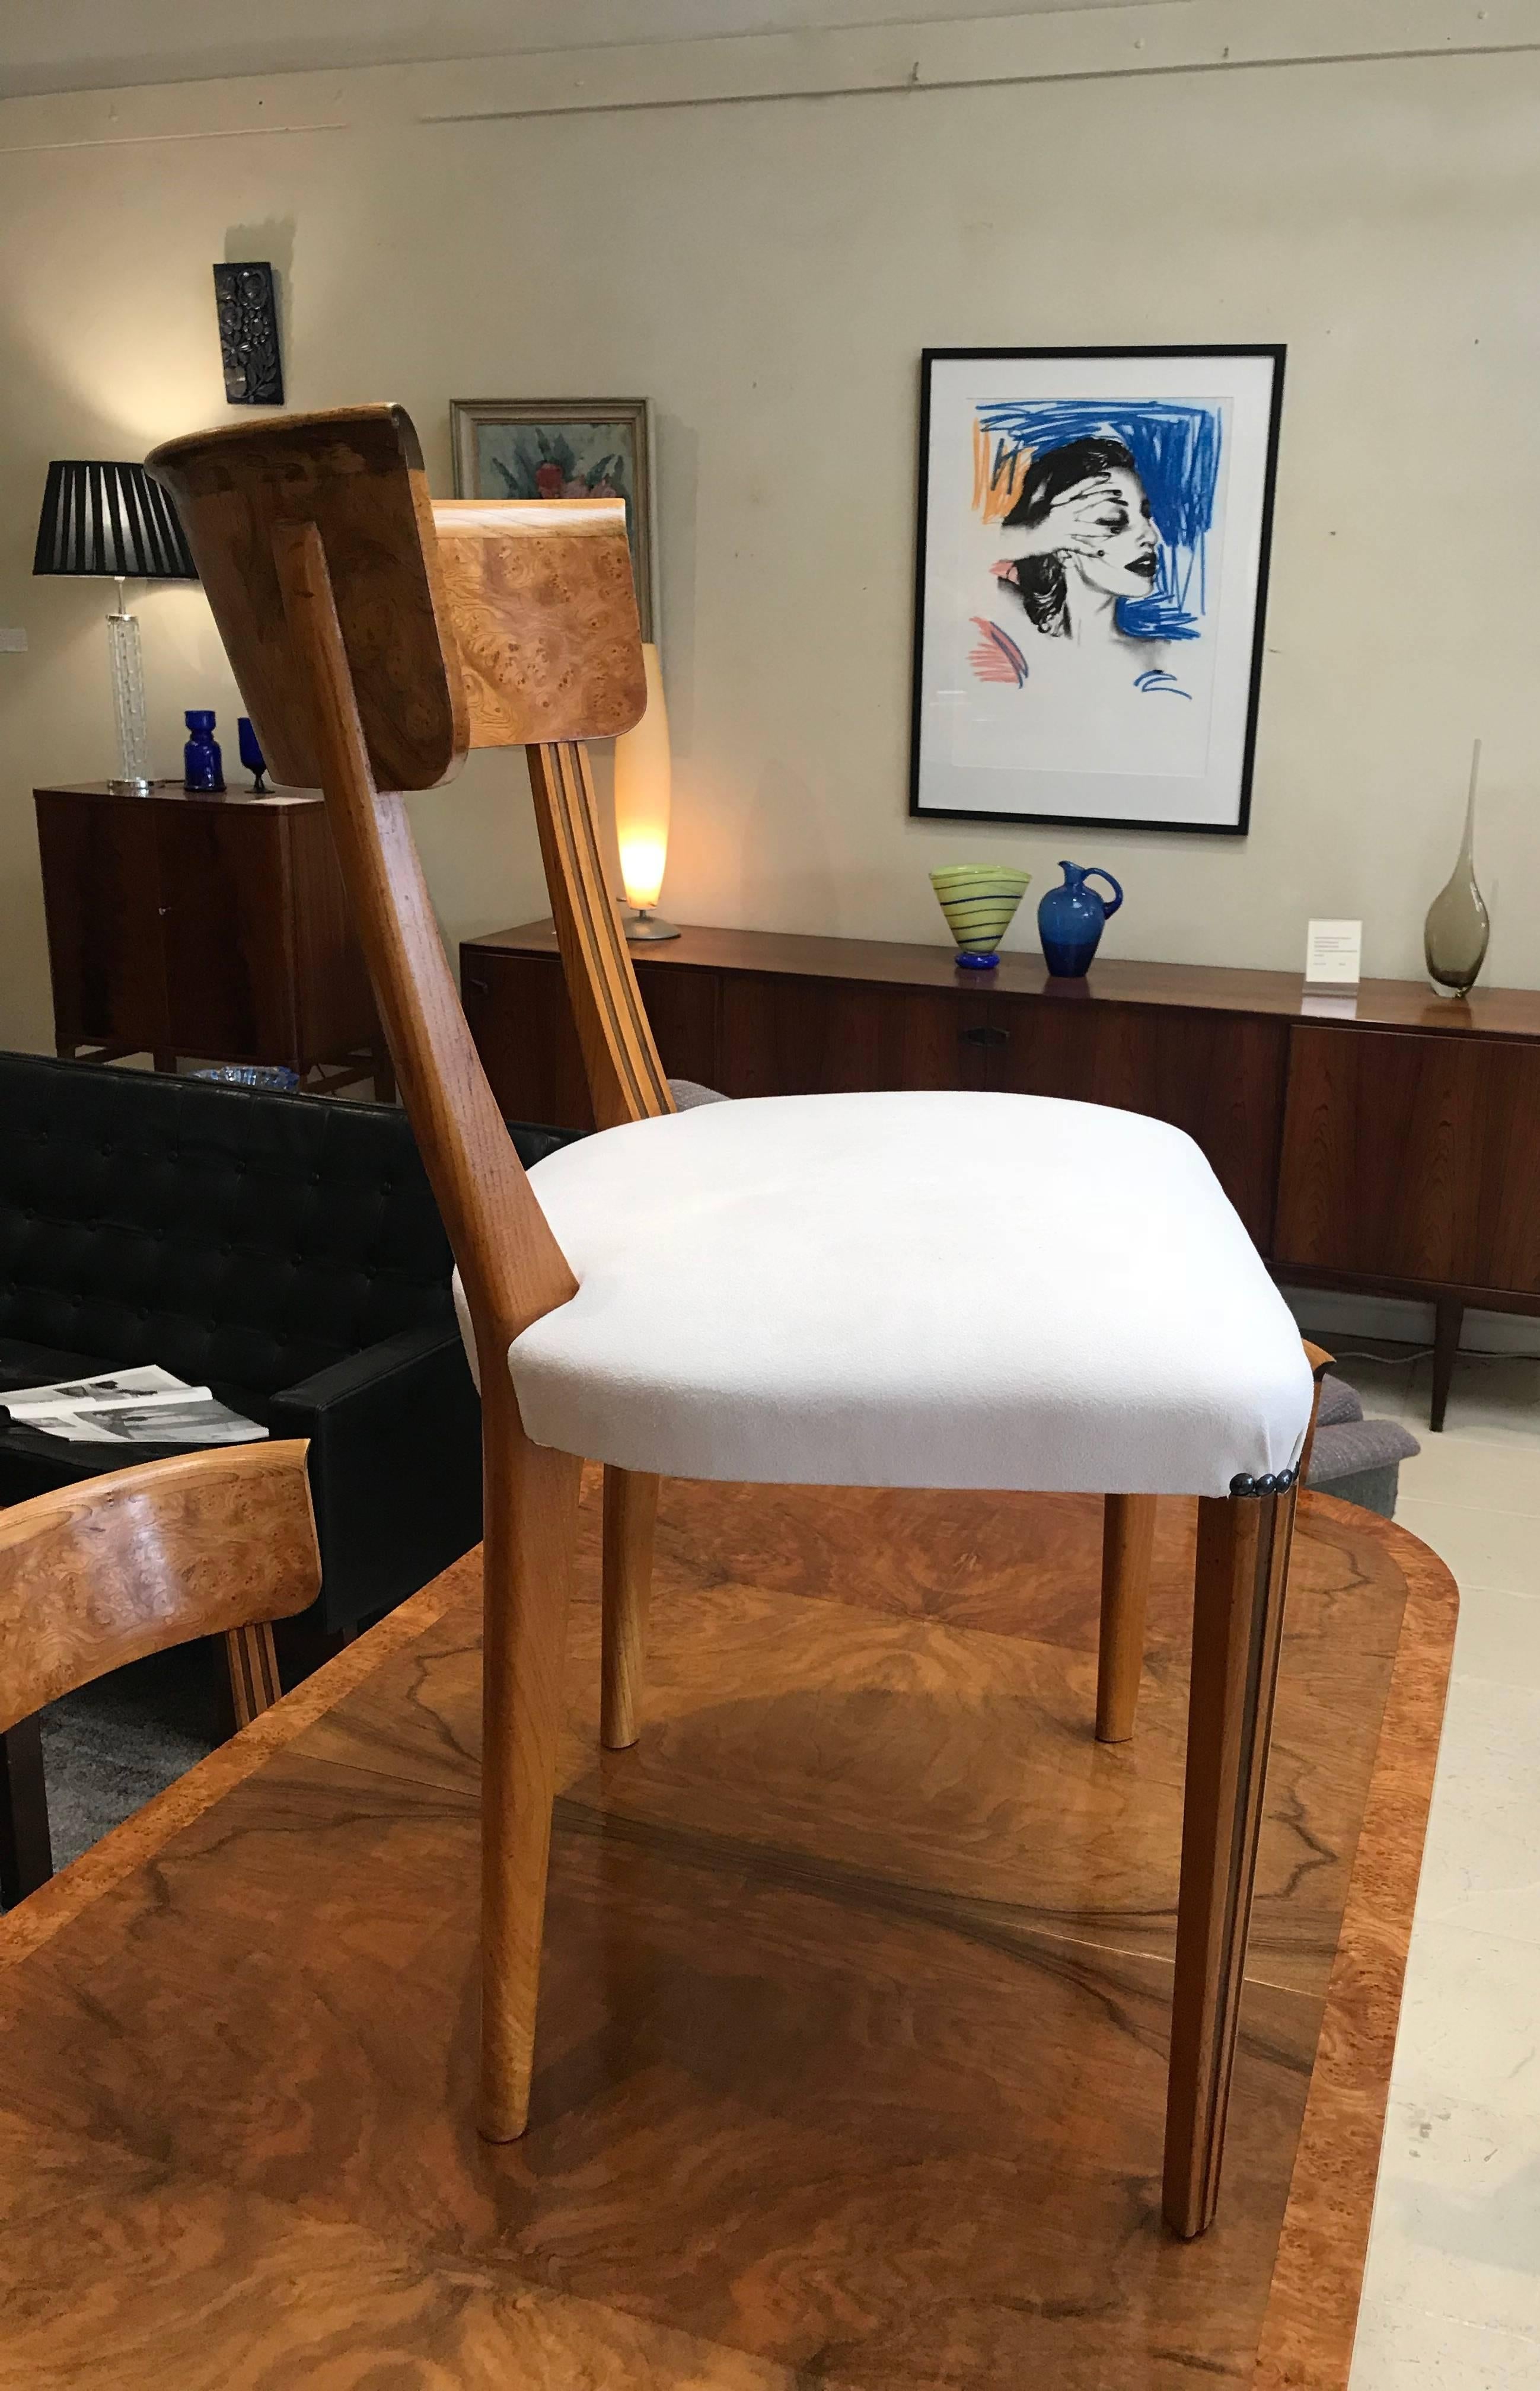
769	271
80	45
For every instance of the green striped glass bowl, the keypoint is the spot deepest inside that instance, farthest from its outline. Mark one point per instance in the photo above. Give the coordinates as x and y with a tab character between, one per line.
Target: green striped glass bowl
980	901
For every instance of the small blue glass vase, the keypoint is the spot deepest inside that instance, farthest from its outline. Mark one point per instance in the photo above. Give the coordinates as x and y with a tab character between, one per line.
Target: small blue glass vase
1071	919
250	753
202	765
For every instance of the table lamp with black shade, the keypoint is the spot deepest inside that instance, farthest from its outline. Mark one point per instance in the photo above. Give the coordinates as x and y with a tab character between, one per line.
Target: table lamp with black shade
111	520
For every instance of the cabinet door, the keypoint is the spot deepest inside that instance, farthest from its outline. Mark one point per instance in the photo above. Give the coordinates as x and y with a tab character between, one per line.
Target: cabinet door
793	1037
227	919
102	893
684	1008
1219	1076
522	1023
336	1005
1412	1157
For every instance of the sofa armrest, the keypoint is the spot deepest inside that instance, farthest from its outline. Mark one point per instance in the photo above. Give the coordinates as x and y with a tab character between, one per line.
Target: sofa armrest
395	1439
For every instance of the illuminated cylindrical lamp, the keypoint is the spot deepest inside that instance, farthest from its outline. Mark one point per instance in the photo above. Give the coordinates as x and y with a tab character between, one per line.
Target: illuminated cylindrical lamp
643	790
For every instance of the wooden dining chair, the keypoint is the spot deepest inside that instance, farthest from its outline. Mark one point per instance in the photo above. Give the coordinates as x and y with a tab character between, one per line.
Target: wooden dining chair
98	1574
925	1289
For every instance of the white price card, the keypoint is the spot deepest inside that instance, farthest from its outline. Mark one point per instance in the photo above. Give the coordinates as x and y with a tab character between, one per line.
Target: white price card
1332	954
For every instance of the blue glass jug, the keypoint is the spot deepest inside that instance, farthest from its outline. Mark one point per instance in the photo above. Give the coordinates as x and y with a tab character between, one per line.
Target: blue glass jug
1071	919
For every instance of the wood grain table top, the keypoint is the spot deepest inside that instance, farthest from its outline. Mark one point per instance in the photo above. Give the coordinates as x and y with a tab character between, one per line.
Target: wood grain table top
1112	980
854	2015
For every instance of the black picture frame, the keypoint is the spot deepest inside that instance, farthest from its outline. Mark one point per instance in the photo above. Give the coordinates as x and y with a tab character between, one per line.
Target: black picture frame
1276	353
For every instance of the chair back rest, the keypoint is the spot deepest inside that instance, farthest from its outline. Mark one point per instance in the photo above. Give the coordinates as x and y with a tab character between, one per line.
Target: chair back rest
543	601
316	542
357	472
95	1575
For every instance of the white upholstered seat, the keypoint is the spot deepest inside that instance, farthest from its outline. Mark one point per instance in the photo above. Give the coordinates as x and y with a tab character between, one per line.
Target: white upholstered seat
920	1290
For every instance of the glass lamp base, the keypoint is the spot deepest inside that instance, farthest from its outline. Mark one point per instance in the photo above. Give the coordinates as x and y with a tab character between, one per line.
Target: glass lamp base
128	699
121	788
644	925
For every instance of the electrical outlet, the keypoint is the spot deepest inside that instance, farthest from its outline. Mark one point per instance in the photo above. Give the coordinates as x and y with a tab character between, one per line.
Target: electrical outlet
13	642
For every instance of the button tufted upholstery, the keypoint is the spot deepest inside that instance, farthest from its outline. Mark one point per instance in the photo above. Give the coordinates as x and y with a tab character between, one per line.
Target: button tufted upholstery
286	1251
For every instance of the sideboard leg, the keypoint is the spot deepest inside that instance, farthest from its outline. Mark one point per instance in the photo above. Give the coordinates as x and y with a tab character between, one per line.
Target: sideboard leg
1448	1321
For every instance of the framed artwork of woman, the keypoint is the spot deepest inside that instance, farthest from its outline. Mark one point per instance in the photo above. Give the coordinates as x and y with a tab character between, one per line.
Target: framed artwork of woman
1091	580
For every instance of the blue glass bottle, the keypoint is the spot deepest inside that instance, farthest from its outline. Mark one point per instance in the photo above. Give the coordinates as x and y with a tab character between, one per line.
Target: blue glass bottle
202	765
1071	919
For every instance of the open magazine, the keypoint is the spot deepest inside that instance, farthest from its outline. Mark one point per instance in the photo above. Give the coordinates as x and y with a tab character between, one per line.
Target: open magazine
143	1406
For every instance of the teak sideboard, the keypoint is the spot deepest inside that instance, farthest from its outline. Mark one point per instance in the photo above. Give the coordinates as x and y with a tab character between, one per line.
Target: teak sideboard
216	925
1394	1148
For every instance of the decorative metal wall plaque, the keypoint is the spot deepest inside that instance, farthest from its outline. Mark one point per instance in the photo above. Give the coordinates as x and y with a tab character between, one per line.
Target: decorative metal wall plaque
249	335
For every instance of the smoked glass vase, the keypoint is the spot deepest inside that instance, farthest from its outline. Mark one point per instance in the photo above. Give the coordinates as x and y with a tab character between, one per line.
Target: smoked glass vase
1458	926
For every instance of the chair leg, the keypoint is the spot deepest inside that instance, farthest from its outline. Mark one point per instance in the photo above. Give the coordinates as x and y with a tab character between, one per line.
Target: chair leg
530	1503
1128	1541
630	1516
26	1850
1242	1543
253	1665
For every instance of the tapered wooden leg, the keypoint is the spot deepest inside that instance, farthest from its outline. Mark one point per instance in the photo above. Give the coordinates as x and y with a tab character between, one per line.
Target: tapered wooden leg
253	1666
630	1515
1128	1541
1237	1622
530	1500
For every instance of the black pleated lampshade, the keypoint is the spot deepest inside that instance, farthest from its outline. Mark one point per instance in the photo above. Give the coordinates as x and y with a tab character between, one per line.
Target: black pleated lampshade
111	520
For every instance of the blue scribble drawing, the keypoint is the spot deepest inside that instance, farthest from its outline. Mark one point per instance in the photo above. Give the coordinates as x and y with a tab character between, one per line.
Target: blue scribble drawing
1122	488
1160	684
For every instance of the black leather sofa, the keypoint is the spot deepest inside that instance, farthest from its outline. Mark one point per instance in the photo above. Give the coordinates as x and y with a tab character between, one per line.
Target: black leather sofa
286	1251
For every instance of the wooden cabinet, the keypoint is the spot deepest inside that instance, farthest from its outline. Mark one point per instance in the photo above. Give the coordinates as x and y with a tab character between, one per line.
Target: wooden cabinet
1219	1076
517	1007
1414	1157
1397	1151
210	926
101	893
801	1037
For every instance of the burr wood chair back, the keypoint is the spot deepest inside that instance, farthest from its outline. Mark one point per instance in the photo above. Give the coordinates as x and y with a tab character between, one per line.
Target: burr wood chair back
543	608
95	1575
376	637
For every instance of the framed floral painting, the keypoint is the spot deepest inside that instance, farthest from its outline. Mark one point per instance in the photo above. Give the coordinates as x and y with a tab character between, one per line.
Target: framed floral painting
1091	582
564	448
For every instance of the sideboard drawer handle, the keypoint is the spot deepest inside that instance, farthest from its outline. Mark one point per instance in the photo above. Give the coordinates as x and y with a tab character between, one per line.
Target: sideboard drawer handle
985	1034
478	985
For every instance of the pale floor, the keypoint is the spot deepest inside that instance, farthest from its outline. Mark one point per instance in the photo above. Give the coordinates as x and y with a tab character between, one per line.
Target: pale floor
1451	2296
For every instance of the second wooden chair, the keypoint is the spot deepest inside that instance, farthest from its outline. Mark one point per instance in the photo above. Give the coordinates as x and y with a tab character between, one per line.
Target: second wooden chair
98	1574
